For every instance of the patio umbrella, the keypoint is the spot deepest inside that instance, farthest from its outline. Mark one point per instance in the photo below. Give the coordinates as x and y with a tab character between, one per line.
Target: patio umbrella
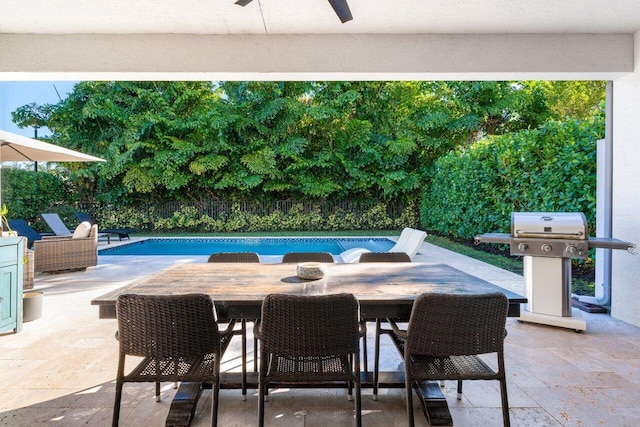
18	148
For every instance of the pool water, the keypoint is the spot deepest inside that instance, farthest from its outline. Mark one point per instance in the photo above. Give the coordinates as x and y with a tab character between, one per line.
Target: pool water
262	246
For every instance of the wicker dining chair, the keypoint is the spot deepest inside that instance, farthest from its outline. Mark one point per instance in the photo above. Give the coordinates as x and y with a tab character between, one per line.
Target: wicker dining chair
234	257
307	257
444	337
309	339
241	257
379	257
384	257
178	338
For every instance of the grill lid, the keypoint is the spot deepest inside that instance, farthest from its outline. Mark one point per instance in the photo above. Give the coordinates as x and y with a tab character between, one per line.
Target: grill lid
549	225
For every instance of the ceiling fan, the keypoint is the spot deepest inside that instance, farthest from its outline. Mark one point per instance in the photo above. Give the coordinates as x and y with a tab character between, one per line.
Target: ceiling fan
339	6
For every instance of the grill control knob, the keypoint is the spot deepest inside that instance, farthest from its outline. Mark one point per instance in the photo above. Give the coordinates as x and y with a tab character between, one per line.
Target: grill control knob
546	248
522	247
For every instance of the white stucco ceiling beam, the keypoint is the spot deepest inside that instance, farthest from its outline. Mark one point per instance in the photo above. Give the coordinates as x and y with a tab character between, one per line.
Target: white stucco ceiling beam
298	57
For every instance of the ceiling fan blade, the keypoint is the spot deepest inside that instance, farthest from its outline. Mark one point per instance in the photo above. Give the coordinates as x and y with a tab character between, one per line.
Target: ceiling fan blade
342	10
243	3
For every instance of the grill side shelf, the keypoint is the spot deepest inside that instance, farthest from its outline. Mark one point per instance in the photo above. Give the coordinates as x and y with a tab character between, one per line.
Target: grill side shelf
502	238
610	243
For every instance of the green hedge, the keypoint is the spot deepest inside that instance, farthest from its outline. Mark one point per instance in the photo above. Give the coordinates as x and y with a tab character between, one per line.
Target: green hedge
27	194
552	168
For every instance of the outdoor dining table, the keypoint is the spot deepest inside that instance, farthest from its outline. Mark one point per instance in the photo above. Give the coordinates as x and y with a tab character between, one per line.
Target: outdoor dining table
384	290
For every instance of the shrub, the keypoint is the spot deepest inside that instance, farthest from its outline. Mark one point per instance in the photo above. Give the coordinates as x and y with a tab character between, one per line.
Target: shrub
553	168
27	194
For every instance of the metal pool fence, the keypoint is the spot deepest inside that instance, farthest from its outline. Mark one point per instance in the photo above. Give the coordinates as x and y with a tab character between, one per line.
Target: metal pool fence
189	216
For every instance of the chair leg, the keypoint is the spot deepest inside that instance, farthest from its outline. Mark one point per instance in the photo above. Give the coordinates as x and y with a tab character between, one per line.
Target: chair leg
505	403
116	405
358	405
376	360
215	393
244	359
503	391
215	396
267	359
351	360
459	389
262	388
365	356
409	393
255	352
358	394
157	391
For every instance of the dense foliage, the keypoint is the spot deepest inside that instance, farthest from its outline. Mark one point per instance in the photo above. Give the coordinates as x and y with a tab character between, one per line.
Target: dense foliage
307	141
28	194
553	168
278	140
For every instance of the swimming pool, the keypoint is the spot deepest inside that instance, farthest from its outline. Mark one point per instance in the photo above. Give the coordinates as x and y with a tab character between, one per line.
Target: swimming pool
261	245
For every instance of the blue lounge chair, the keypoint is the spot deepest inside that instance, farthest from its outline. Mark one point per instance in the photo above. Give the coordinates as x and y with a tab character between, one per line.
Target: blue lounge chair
56	225
21	227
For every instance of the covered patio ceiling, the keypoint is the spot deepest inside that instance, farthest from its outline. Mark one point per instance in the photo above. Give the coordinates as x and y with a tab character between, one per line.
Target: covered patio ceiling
223	17
293	39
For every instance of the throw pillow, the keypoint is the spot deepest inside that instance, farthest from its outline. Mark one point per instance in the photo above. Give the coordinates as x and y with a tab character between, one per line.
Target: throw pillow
82	230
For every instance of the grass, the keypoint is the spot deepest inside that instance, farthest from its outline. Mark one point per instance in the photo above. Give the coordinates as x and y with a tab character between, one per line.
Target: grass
510	264
513	264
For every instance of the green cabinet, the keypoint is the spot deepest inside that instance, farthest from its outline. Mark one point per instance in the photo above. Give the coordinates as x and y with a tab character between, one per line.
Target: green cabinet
11	270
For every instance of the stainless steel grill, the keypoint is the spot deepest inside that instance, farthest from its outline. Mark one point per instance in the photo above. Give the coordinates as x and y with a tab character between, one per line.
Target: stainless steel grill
548	241
551	234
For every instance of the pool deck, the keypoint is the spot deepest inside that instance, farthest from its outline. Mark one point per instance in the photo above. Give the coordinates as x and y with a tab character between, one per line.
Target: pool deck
60	369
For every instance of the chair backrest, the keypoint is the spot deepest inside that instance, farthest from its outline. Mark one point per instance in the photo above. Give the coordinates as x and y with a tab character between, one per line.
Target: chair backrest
55	224
384	257
402	240
234	257
307	257
93	233
455	325
167	325
21	227
319	325
84	216
409	242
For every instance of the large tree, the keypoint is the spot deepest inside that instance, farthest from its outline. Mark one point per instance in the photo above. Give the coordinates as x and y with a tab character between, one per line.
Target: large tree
300	140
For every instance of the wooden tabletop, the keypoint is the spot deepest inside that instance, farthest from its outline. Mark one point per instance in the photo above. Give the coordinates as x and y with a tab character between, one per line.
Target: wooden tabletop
383	289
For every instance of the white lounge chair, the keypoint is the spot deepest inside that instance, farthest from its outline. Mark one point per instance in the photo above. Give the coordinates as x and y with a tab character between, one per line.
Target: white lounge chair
409	242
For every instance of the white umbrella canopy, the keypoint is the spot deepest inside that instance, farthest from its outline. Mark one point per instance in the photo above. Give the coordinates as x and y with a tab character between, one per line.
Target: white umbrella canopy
18	148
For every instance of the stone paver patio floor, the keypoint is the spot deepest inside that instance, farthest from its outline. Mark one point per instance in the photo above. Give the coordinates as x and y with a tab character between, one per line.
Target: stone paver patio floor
60	369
